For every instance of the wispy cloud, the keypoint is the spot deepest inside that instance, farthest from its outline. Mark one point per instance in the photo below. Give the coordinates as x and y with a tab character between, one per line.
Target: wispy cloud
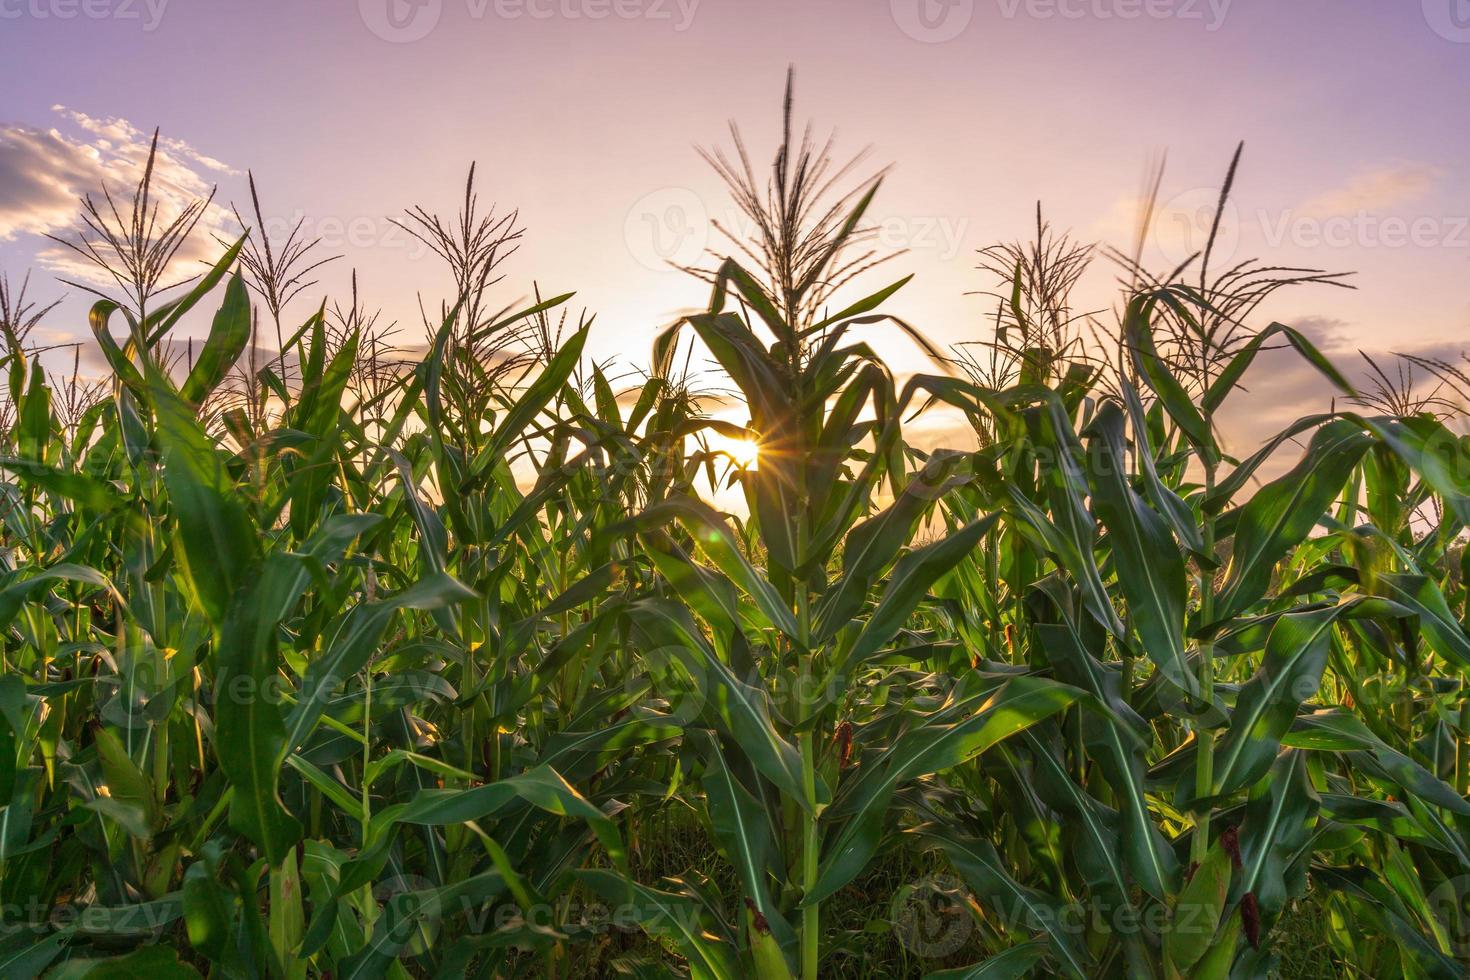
1377	190
45	172
1281	386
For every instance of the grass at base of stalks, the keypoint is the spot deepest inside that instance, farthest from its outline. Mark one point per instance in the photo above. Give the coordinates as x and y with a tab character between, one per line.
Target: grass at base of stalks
867	914
863	914
1301	941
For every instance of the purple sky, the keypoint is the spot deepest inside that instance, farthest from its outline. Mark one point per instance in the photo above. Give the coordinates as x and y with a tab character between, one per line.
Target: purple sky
584	114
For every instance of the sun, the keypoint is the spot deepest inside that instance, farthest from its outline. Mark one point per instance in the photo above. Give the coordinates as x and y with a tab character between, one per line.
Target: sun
743	453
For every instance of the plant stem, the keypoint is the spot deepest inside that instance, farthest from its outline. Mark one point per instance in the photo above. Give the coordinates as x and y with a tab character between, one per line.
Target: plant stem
1204	774
810	914
811	836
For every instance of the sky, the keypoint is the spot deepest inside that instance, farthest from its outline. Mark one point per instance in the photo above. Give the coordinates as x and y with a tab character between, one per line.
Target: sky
584	116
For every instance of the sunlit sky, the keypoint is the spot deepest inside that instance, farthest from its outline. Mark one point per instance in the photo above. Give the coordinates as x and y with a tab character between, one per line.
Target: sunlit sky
584	115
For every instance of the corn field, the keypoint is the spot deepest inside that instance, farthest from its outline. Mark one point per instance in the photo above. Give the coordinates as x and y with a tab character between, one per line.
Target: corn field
325	657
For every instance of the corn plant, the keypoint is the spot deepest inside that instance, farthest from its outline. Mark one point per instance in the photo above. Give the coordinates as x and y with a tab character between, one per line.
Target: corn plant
333	659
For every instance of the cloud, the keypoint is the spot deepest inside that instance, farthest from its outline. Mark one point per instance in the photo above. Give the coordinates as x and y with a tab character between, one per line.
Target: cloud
45	172
1328	333
1281	386
1377	190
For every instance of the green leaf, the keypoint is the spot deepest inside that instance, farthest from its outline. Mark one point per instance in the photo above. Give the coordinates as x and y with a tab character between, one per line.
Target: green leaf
743	830
1115	738
536	397
1148	563
676	918
1380	906
542	787
30	959
353	642
228	336
959	731
912	577
978	863
1012	964
33	421
1290	673
1090	830
1425	444
1338	731
167	316
1440	627
145	963
1174	510
217	539
872	545
1229	379
714	537
742	710
1280	818
208	911
1138	335
126	783
87	491
251	738
1196	914
35	581
1281	514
